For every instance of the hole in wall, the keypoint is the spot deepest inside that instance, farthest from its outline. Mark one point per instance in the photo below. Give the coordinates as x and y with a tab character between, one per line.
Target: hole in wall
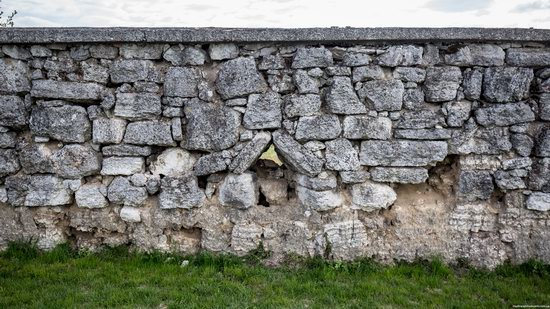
202	181
263	200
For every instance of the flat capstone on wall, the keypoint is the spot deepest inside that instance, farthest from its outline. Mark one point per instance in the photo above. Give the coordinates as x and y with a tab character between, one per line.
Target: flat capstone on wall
393	144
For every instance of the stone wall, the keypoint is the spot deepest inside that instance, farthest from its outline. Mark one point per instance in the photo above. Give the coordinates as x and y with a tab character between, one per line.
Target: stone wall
392	150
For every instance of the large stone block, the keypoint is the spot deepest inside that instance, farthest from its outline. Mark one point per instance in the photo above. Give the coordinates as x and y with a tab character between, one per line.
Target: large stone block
538	201
341	156
76	161
239	191
505	114
210	128
399	174
173	162
366	127
180	192
182	82
141	51
419	119
108	130
442	83
303	105
122	165
312	57
157	133
401	55
137	106
321	127
495	140
122	192
239	77
9	163
37	190
12	111
402	153
296	155
263	111
222	51
92	196
528	57
211	163
129	71
475	185
342	99
72	91
14	76
64	123
539	176
318	200
370	196
542	145
323	181
507	84
250	152
383	95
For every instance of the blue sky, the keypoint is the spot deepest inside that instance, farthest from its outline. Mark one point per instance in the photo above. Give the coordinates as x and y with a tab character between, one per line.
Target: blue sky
281	13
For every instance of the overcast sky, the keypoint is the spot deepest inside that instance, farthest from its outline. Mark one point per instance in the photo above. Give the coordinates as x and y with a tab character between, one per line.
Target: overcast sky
281	13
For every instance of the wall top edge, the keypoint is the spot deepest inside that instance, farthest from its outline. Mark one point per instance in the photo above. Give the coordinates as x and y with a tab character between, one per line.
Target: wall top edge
254	35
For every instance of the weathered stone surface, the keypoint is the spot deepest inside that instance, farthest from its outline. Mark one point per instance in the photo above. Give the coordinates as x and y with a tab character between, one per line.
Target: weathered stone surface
406	74
250	153
494	140
122	166
472	84
355	59
424	134
37	190
245	237
130	214
504	114
475	185
318	200
121	191
370	196
305	84
64	123
210	164
539	176
223	51
399	174
12	111
301	105
478	55
141	51
418	119
321	127
296	155
542	148
8	139
401	55
129	71
272	62
544	106
178	55
342	99
137	106
274	190
182	82
36	158
180	192
383	95
173	162
210	128
149	133
402	153
108	130
442	83
367	73
413	98
312	57
76	161
510	180
126	150
366	127
71	91
352	177
14	76
321	182
239	77
528	57
522	144
263	111
506	84
103	51
538	201
341	156
239	191
9	163
91	196
457	113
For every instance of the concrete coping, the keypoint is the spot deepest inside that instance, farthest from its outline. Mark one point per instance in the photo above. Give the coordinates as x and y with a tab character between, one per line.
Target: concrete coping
258	35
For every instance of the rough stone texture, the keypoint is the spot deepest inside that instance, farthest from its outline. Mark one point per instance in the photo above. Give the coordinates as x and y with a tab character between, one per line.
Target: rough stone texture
301	105
182	82
365	127
180	192
9	162
263	111
311	58
539	201
318	200
91	196
401	55
66	90
122	192
250	153
210	164
128	71
64	123
137	106
322	127
76	161
14	76
528	57
12	111
37	190
296	155
149	133
506	84
239	77
223	51
122	166
399	174
342	99
108	130
442	83
172	162
383	95
475	185
239	191
505	114
370	196
341	156
402	153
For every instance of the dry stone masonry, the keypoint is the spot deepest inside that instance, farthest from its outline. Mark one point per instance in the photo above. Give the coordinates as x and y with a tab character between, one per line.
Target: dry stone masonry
393	150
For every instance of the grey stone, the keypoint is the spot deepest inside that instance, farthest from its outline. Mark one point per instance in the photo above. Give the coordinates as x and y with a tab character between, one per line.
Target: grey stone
156	133
542	144
301	105
210	128
522	144
210	164
3	195
516	163
504	114
352	177
544	106
506	84
9	163
538	201
108	130
263	111
475	185
76	161
472	84
37	190
355	59
12	111
457	113
178	55
72	91
64	123
370	196
399	174
321	127
477	55
493	140
406	74
126	150
16	52
239	191
528	57
402	153
296	155
129	71
173	162
141	51
341	156
239	77
401	55
36	159
367	73
312	57
318	200
93	72
103	51
539	176
8	140
383	95
442	83
79	53
424	134
223	51
152	184
274	190
137	106
321	182
180	192
91	196
305	84
413	98
460	56
338	71
250	153
122	192
182	82
418	119
130	214
509	180
366	127
431	55
122	165
342	99
236	102
272	62
40	51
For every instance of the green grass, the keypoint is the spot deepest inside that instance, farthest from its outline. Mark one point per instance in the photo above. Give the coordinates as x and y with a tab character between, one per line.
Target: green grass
117	278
